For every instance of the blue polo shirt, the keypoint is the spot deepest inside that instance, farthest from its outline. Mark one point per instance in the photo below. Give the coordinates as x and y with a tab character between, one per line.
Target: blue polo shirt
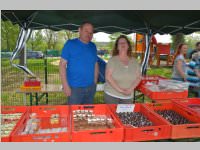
81	59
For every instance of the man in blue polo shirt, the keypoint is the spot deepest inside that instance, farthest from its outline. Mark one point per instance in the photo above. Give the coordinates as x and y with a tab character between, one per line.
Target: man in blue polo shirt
79	68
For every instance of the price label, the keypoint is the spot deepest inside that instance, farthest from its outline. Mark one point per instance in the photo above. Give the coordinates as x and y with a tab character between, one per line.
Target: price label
125	108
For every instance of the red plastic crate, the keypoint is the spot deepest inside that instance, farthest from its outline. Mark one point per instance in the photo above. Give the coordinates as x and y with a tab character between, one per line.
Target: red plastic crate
183	130
163	95
153	78
188	102
44	113
12	110
159	96
160	129
100	135
32	83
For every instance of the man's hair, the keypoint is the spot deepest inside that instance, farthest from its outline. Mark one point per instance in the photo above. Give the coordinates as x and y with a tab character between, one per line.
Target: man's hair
84	23
197	44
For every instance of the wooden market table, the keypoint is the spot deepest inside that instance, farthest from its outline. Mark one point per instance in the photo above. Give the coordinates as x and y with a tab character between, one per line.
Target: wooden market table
45	89
39	93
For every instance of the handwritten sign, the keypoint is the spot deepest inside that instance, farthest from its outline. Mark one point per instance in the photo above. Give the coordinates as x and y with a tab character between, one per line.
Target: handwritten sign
125	108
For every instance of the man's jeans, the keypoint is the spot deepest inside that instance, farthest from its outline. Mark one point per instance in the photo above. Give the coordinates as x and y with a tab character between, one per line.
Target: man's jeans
82	95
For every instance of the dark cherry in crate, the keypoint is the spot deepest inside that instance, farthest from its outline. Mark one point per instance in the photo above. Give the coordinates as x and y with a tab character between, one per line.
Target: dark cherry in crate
173	117
135	119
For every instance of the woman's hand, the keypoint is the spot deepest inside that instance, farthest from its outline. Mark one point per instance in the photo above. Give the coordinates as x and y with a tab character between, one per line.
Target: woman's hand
128	91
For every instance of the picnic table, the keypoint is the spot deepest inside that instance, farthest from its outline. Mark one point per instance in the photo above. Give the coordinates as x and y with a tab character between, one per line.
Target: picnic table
45	89
39	93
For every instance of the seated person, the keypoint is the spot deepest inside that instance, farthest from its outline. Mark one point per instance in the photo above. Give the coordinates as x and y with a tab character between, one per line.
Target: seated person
193	72
195	50
194	65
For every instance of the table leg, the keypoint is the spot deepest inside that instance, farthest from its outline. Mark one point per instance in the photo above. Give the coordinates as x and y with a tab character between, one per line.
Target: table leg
134	97
143	98
36	98
47	98
31	99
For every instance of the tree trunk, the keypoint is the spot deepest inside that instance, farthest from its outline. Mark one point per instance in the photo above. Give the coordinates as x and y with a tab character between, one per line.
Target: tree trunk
178	39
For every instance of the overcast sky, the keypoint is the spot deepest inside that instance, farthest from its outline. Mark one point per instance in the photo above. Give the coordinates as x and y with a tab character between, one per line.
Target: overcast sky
104	37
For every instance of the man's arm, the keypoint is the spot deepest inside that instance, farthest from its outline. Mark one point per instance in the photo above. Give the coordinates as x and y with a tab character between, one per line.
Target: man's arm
96	73
63	75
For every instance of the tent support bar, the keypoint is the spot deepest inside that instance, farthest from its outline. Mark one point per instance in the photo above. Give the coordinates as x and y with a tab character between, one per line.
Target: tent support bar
192	28
160	30
113	27
56	27
18	20
177	27
175	30
43	25
6	17
140	29
192	23
32	18
68	24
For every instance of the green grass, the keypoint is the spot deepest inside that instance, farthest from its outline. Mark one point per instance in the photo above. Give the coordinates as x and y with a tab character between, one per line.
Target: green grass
164	71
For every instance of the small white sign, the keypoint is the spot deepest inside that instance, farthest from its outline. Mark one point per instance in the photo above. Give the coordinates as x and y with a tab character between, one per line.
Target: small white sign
125	108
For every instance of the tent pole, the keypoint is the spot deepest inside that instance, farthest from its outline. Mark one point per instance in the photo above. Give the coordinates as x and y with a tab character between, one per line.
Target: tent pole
25	65
45	70
147	53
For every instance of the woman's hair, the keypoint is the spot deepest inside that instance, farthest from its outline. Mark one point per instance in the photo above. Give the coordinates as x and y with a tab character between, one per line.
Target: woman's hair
178	51
115	50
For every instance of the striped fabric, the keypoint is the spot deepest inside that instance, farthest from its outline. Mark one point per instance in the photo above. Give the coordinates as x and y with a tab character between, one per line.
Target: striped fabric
146	56
191	75
21	41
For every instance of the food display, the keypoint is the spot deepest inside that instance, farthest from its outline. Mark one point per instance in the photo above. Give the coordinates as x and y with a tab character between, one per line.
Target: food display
167	86
8	122
31	83
97	123
33	124
87	120
173	117
134	119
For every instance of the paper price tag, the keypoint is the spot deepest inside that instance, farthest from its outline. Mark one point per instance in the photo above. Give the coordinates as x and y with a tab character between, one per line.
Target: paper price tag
125	108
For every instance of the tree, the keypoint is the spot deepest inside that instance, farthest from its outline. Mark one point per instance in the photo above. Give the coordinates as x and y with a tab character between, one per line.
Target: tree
55	40
192	39
36	41
9	35
48	37
69	34
177	39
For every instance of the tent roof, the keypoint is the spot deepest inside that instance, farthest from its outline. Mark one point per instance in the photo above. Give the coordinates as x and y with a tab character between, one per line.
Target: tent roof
109	21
